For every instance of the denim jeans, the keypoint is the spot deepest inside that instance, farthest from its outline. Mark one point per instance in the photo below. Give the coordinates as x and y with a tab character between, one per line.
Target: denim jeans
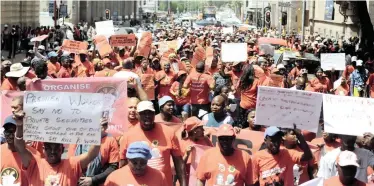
185	108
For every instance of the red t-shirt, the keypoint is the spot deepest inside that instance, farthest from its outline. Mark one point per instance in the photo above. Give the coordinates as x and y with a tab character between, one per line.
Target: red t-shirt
105	73
272	169
199	87
53	68
165	83
163	143
9	84
180	100
370	82
64	73
248	97
216	169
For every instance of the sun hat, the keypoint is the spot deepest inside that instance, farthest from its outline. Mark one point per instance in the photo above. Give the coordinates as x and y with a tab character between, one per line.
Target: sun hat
138	149
145	105
17	70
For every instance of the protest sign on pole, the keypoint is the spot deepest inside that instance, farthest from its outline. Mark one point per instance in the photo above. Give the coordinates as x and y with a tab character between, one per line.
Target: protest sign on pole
102	45
73	46
39	38
234	52
105	28
348	115
333	60
285	107
115	110
123	40
199	55
67	118
144	47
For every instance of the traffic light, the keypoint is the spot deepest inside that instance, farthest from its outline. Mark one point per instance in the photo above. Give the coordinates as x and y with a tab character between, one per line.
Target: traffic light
267	13
284	18
107	14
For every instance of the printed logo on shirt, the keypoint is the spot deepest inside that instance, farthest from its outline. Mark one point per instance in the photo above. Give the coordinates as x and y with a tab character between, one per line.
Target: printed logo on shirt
221	167
53	180
220	179
9	175
271	177
231	168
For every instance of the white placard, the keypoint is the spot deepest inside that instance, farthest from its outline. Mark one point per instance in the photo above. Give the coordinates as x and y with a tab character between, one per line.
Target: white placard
284	107
227	30
105	28
314	182
337	83
63	117
234	52
348	115
333	60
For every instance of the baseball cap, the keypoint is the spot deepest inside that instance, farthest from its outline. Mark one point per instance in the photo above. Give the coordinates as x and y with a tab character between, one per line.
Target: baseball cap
359	62
192	123
9	121
145	105
138	149
271	131
52	54
280	66
353	58
347	158
225	130
163	100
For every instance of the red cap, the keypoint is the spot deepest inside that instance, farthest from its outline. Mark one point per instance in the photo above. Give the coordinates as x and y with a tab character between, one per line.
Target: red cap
225	130
192	123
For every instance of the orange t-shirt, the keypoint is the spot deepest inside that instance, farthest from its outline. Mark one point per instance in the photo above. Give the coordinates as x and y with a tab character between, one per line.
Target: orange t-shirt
124	176
163	143
303	166
40	172
217	169
90	70
180	100
148	81
348	71
336	182
343	91
328	146
11	164
165	83
316	85
53	68
248	97
64	73
295	72
9	84
105	73
158	119
268	168
109	150
370	82
199	87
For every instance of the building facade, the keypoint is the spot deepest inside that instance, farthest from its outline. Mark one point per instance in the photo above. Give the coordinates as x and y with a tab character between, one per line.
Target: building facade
23	13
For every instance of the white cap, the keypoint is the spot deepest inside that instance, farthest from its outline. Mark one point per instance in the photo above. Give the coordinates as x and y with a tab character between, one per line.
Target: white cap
145	105
280	66
354	58
41	47
359	62
347	158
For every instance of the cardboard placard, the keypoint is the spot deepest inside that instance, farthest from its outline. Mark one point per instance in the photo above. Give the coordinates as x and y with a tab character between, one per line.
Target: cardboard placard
148	85
39	38
234	52
63	117
123	40
198	55
73	46
144	47
104	28
102	45
333	60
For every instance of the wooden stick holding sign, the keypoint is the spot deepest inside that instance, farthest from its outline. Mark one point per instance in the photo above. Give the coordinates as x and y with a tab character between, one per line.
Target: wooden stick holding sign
63	117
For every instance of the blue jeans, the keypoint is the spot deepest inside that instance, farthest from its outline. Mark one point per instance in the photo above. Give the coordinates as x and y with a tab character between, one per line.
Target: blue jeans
185	108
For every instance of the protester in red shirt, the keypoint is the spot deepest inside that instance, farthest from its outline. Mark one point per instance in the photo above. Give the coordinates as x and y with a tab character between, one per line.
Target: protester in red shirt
65	71
165	78
106	72
89	68
181	95
53	65
166	104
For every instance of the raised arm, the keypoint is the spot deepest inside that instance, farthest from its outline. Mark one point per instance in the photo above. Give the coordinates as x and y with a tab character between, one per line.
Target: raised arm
19	143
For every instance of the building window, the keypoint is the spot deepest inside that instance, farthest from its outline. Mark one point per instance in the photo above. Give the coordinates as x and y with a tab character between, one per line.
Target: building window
246	3
296	18
337	35
144	2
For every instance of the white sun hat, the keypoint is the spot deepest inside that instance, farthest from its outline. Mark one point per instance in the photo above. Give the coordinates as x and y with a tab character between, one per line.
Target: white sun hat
17	70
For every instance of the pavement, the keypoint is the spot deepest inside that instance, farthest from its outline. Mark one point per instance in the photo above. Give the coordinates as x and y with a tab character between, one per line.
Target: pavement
18	57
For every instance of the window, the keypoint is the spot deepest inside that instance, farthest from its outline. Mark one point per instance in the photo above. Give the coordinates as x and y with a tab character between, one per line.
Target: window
246	3
144	2
296	18
337	35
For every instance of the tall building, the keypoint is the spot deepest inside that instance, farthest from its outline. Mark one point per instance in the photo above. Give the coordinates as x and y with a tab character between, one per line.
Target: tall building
23	13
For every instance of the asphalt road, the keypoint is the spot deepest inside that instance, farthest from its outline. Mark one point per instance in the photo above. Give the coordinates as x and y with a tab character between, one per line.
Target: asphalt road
18	57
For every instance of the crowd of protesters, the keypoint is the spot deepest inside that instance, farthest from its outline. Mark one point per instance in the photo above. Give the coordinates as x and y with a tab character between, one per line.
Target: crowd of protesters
218	98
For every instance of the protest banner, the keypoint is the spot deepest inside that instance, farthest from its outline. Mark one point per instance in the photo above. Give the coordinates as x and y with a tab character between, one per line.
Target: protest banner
285	107
123	40
348	115
209	56
199	55
63	117
6	101
39	38
114	110
333	60
234	52
102	45
104	28
144	47
73	46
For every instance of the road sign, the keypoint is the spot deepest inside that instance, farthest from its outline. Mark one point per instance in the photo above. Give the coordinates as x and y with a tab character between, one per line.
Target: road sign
63	10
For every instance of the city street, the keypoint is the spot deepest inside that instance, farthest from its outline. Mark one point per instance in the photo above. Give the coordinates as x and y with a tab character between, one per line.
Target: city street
18	57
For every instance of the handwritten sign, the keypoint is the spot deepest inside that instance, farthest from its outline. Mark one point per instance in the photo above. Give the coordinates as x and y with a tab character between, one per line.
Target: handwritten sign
102	45
284	107
115	110
105	28
234	52
348	115
333	60
73	46
199	55
39	38
145	43
68	118
123	40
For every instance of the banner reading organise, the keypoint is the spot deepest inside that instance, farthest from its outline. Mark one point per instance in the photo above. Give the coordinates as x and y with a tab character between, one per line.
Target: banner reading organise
114	109
348	115
284	107
67	118
73	46
123	40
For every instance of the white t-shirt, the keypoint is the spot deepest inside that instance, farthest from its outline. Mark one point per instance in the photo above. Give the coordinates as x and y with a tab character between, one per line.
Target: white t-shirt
127	75
328	169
